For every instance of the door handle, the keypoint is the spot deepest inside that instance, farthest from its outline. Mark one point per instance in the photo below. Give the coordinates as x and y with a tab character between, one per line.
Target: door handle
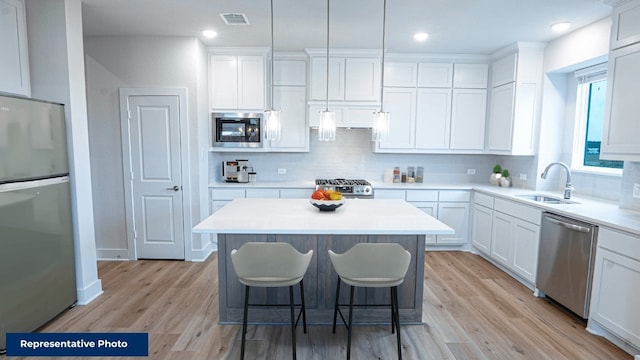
174	188
570	226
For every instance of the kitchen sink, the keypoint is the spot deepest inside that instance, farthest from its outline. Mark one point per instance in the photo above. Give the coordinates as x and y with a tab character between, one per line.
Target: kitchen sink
545	199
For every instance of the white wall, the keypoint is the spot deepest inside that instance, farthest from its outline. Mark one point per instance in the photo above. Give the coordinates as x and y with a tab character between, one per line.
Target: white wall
54	31
139	62
582	48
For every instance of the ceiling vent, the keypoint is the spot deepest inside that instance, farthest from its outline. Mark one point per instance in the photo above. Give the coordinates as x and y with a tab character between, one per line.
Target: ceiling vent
234	19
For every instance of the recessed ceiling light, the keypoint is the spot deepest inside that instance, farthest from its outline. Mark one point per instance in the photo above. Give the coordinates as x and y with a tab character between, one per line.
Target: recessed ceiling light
209	34
421	36
561	26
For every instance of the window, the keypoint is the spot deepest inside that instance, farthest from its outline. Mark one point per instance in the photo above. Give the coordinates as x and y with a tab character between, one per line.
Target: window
590	109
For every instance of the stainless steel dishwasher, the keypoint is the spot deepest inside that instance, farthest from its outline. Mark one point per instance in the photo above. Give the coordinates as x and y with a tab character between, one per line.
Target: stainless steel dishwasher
565	261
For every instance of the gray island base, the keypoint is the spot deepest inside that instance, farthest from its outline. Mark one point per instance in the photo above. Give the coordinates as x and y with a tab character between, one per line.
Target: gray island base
296	222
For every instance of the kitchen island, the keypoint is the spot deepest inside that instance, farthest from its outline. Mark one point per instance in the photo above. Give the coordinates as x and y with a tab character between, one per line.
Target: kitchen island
297	222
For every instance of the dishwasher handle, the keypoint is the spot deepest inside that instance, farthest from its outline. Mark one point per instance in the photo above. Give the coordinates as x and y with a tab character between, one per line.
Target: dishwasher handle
574	227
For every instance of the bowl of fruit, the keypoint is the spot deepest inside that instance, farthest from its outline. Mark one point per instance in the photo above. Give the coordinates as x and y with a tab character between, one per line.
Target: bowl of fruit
326	199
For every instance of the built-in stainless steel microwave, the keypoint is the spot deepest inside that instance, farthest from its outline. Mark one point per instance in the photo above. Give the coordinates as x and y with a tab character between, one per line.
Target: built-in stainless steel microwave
236	129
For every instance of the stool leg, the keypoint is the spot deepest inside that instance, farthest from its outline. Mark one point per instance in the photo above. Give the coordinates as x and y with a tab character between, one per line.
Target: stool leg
304	309
293	322
393	312
350	323
394	291
335	308
244	320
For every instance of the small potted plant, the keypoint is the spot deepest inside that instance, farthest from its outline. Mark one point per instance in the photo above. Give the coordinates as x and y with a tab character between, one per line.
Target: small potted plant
494	179
505	180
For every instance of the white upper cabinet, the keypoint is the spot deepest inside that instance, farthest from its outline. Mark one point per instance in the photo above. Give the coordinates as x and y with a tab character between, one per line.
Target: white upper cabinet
14	61
318	78
620	140
435	75
237	82
470	76
450	106
290	97
433	125
362	79
626	27
515	100
353	76
504	70
468	116
294	136
401	104
400	74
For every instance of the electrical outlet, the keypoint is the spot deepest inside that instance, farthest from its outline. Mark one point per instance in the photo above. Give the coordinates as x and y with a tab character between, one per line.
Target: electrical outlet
282	171
471	171
636	190
523	177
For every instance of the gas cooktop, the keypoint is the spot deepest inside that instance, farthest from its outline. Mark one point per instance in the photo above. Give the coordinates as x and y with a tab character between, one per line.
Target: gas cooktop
348	187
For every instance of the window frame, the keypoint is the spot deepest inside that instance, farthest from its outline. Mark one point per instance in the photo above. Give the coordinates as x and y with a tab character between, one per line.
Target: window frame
585	77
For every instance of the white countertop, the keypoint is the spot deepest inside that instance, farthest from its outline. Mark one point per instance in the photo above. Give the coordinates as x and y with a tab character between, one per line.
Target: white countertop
298	216
595	211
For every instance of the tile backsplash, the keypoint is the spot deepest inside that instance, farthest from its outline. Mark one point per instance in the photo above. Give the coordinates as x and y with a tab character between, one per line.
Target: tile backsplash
352	156
630	176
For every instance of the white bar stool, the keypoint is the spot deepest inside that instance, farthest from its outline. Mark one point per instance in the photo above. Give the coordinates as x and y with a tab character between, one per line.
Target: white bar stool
371	265
271	264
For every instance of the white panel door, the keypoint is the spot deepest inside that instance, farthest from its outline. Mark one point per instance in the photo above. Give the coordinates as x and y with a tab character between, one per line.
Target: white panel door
501	118
430	208
400	103
362	79
526	237
482	226
433	118
456	215
293	117
224	81
501	238
319	78
468	118
251	87
154	134
14	62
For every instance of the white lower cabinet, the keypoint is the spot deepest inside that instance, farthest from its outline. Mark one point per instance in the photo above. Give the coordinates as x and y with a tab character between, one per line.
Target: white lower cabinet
508	233
456	215
262	193
449	206
515	238
615	294
481	228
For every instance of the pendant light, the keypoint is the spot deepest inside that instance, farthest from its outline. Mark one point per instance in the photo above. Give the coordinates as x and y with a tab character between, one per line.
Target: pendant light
327	128
272	116
380	129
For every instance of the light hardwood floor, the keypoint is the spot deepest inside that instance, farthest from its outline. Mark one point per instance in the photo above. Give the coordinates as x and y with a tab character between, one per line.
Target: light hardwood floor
471	311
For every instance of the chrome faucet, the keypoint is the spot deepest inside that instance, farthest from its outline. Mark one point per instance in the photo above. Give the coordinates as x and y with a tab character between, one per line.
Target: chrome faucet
567	187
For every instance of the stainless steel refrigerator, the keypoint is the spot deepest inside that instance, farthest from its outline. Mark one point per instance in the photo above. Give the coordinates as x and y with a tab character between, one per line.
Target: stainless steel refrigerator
37	268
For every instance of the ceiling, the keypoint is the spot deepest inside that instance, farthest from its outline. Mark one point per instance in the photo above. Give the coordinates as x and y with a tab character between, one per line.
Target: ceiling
455	26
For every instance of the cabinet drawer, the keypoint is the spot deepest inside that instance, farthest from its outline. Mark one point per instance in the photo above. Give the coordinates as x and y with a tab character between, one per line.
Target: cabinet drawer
524	212
454	195
226	194
296	193
622	243
483	199
263	193
389	194
422	195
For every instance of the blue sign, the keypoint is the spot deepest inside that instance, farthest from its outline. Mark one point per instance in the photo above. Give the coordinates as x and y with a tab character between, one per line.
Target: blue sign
77	344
